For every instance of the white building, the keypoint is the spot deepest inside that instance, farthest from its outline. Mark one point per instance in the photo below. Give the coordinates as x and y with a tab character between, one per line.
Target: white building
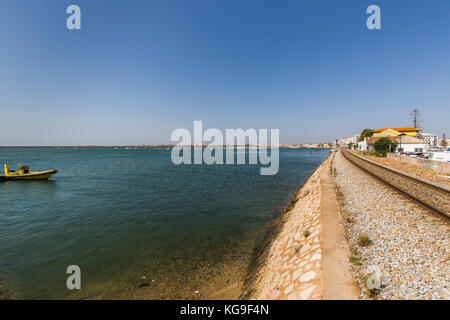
362	145
409	144
344	141
432	138
405	143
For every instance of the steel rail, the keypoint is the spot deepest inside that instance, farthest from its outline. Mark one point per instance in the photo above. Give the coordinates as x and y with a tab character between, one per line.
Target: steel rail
438	208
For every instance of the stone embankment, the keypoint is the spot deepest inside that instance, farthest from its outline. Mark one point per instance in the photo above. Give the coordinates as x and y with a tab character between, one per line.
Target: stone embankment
388	232
307	256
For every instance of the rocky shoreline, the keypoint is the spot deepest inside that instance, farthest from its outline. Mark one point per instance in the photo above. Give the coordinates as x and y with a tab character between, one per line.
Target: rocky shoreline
265	279
4	294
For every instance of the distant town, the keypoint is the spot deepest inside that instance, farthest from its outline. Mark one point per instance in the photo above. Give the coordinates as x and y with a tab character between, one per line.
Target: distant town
169	146
408	139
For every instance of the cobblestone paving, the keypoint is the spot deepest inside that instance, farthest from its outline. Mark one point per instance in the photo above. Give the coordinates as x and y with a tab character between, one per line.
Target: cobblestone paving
410	246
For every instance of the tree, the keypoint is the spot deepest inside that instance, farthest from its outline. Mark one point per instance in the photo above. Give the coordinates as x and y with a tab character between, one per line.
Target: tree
415	118
365	134
444	140
384	145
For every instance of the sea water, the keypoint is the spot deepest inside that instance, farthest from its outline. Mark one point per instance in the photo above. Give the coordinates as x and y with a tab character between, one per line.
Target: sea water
138	226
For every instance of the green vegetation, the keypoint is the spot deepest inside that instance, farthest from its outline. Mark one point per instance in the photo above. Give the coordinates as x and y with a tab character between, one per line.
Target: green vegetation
306	233
355	260
364	240
331	171
384	145
365	134
368	153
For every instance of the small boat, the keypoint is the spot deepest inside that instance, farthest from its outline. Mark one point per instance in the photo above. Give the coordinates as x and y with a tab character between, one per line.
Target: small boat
24	173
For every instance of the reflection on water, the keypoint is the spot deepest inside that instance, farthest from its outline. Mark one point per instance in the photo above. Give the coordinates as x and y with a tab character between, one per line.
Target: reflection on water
44	187
137	225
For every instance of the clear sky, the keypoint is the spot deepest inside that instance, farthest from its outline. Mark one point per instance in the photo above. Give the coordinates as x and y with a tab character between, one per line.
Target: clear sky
137	70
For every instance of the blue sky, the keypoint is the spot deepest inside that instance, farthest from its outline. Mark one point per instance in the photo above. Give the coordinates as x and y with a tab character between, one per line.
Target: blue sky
140	69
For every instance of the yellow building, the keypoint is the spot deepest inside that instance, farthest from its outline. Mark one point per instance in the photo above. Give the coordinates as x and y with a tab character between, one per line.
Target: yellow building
395	132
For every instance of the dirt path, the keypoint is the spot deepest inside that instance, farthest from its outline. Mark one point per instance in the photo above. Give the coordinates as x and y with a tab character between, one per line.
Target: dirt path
338	282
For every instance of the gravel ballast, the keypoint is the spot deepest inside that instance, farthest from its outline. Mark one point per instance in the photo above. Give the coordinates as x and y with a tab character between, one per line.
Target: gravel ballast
409	245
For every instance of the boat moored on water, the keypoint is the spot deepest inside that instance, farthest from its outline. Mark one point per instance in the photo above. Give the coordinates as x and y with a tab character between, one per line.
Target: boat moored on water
25	173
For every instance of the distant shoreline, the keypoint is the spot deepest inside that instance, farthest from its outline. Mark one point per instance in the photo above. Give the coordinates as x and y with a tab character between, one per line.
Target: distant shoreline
169	146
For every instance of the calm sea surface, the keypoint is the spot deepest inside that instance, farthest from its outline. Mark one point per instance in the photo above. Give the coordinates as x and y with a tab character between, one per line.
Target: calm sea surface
136	224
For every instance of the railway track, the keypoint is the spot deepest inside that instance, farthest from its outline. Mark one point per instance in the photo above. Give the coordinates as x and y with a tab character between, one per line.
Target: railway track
431	195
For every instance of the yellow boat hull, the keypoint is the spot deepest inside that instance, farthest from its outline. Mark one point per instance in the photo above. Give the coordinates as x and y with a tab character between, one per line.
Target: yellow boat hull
41	175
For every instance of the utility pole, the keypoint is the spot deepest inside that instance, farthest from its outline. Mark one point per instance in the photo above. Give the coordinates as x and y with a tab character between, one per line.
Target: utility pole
415	118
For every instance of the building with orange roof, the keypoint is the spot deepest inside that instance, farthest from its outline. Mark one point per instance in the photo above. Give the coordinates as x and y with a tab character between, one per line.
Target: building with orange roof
395	132
405	143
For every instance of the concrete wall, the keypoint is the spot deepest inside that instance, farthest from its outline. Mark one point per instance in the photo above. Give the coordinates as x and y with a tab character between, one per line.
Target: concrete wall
443	167
411	147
